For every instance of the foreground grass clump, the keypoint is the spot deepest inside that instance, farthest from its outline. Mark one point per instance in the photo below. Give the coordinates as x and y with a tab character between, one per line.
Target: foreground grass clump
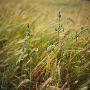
29	58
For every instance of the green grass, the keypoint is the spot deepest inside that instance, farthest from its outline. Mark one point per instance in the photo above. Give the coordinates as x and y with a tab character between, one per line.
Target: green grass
27	33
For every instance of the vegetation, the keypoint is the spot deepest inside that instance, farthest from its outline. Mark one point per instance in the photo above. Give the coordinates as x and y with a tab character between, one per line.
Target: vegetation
36	45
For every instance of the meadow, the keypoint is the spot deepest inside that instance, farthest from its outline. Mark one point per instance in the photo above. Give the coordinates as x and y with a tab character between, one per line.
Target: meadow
44	45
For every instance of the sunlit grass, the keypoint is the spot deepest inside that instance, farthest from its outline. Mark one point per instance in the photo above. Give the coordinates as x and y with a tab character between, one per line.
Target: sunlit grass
27	33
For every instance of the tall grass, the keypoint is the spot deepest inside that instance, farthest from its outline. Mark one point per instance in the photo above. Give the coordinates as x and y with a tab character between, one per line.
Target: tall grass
29	55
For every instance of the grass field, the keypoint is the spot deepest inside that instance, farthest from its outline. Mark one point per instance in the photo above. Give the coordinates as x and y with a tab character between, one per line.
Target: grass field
36	47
